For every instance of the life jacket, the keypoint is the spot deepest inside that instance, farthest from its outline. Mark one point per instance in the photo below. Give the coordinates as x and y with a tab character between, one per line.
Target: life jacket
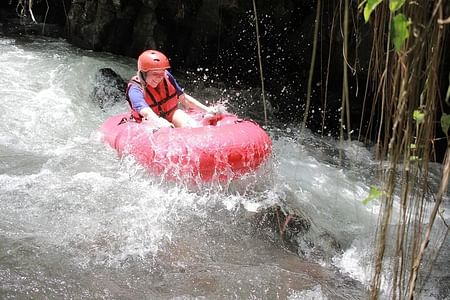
163	99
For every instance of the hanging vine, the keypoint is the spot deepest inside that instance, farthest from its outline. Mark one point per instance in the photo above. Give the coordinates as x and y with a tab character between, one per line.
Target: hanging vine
408	84
23	6
263	93
313	62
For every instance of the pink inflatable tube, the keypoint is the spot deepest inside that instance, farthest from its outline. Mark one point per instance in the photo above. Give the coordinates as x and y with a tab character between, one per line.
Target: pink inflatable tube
223	148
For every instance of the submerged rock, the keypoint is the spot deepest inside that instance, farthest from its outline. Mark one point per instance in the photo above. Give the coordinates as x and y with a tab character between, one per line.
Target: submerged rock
298	233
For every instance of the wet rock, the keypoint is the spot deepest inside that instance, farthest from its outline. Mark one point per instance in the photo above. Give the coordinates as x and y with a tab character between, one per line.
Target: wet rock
17	27
100	26
297	232
109	88
287	225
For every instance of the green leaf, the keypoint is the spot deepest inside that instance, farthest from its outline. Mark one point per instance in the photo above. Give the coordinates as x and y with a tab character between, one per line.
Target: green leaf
414	158
418	116
400	30
373	194
396	4
370	7
445	123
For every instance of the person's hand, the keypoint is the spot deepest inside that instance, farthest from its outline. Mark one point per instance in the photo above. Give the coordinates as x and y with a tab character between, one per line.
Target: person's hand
215	111
161	122
158	122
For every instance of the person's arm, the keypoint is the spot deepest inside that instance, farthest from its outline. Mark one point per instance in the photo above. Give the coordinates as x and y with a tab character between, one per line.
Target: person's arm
190	102
148	114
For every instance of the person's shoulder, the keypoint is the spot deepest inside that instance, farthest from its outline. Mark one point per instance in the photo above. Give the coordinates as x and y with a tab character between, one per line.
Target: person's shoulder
134	80
134	87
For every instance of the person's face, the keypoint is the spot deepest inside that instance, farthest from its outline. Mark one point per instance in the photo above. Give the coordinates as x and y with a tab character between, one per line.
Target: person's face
153	78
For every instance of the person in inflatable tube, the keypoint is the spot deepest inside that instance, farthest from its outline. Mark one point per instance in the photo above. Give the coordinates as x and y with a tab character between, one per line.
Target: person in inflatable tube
153	94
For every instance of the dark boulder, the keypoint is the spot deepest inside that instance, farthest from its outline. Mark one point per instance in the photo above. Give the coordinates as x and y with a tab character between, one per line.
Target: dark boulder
109	88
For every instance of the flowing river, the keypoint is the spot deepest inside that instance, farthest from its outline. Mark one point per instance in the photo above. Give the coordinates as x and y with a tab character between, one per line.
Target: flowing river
76	222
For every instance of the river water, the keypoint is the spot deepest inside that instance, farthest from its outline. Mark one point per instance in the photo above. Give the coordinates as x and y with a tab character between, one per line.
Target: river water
76	222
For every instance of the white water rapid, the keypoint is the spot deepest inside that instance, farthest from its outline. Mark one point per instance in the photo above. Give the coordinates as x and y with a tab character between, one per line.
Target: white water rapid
76	222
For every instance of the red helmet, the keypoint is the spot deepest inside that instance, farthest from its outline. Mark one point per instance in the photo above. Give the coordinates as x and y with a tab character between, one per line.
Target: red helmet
152	60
